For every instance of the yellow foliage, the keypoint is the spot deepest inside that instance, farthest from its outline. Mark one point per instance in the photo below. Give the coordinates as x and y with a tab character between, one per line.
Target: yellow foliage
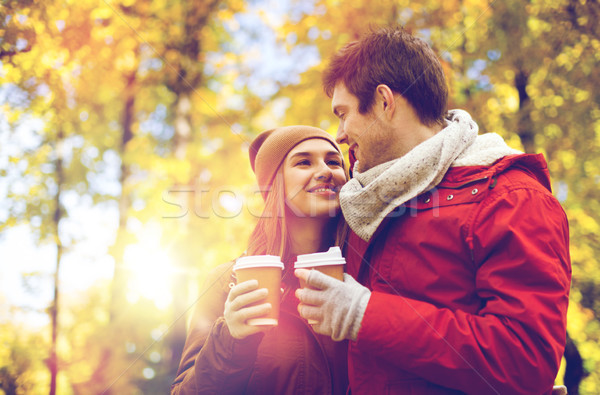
552	131
558	101
538	26
508	96
577	318
509	75
12	74
581	96
101	11
551	112
126	61
225	14
49	59
568	158
597	132
493	105
587	224
591	167
513	140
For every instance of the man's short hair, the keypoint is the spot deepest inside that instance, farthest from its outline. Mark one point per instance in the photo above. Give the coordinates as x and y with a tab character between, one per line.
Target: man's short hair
391	56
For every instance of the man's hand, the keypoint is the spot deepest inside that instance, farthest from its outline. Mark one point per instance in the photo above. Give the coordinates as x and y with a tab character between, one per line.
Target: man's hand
337	306
237	310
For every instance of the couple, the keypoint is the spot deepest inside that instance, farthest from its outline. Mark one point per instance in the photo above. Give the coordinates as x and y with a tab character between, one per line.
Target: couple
458	268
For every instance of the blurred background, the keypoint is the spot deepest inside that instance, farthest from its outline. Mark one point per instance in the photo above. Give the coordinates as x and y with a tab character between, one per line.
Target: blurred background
124	175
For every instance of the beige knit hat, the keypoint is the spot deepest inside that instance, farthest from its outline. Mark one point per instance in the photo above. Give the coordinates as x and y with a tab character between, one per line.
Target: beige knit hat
269	149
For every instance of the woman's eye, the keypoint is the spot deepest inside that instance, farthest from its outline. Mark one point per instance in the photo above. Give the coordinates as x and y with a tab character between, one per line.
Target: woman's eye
334	163
304	162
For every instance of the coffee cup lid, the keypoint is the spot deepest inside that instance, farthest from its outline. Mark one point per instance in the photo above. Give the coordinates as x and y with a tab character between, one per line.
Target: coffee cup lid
252	261
332	257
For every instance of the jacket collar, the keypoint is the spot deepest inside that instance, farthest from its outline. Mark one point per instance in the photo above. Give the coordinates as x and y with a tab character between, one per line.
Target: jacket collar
533	164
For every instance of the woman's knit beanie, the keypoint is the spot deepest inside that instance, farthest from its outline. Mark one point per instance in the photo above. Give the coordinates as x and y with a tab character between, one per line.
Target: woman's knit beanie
269	149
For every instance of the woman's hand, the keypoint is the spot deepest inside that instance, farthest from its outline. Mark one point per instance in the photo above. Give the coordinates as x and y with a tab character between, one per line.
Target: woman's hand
237	310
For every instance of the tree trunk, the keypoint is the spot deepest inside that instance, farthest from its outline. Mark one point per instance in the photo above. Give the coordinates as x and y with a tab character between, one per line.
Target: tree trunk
188	77
53	360
101	375
524	123
119	277
183	135
574	371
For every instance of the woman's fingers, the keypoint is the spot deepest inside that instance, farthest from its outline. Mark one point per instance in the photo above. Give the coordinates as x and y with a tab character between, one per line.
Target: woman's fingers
239	308
248	298
237	319
254	311
242	288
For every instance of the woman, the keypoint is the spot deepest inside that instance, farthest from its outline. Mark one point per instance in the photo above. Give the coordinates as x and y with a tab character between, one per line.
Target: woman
299	170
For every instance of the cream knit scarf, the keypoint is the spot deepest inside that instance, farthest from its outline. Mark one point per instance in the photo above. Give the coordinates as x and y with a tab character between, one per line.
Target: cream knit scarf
370	196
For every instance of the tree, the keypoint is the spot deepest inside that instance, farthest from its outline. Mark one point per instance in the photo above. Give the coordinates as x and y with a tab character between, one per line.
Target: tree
48	189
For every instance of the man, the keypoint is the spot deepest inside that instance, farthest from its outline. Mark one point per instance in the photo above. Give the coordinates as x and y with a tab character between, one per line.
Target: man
460	247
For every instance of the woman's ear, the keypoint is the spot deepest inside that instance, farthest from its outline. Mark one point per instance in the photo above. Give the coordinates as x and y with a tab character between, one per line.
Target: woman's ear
386	100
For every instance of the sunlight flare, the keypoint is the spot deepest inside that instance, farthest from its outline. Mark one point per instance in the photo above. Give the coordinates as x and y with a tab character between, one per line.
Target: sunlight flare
150	272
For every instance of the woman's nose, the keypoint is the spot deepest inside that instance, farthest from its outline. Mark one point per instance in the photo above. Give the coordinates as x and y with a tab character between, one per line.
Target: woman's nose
324	173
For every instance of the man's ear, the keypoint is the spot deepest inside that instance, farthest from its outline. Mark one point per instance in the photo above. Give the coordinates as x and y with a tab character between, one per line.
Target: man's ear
384	97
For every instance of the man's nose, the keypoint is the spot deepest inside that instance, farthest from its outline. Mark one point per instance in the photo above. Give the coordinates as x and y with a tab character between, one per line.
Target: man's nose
342	137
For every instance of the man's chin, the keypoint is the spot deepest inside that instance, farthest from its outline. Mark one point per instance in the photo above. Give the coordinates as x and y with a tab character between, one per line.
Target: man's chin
359	167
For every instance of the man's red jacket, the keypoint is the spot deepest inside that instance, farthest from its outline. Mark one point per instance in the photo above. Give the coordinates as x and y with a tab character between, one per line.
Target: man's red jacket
470	287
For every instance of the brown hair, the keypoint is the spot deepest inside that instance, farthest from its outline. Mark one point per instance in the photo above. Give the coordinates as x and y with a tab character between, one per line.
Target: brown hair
269	236
391	56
